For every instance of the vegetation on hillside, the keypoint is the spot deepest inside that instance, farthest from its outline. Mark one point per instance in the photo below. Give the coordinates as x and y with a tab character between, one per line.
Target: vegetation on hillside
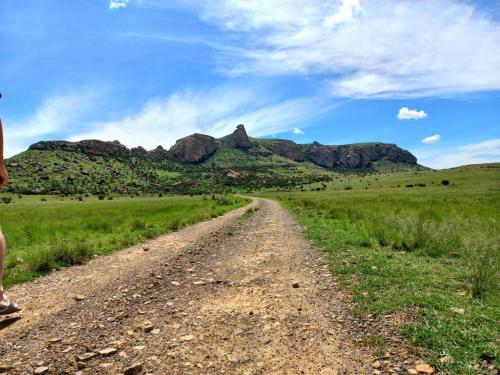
423	245
70	173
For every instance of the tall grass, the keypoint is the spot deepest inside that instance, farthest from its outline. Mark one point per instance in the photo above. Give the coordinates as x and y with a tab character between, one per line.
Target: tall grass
431	254
50	234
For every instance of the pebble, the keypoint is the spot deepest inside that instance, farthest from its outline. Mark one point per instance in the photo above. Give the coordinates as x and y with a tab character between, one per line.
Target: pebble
108	351
147	326
176	283
295	285
376	364
237	332
86	356
79	297
187	338
156	331
135	369
424	368
41	370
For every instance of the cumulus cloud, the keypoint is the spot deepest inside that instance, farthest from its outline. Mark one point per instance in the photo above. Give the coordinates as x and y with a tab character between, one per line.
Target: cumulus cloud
215	112
117	4
297	131
343	13
376	48
58	113
448	157
431	139
406	113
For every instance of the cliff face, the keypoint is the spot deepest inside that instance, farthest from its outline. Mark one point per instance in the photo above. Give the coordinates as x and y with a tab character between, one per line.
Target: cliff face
239	138
356	156
89	147
194	148
285	148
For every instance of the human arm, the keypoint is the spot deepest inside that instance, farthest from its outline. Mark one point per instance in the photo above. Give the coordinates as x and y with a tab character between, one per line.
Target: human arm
3	172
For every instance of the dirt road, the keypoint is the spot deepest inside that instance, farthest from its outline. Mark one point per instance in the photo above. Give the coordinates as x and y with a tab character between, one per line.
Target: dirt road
234	295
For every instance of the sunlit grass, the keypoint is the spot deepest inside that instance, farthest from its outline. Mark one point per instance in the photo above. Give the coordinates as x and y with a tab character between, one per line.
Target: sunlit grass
45	233
430	252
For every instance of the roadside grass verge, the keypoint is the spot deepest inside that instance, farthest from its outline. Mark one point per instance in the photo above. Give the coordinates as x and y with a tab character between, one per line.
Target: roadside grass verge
431	255
47	234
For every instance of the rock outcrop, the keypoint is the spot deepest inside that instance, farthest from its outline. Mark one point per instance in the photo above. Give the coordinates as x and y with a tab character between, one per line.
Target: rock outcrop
198	147
285	148
194	148
322	155
356	156
239	138
158	154
89	147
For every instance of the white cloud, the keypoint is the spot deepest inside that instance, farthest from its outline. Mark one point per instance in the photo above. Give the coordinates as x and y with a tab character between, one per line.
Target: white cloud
117	4
376	48
491	147
215	112
411	114
56	114
344	13
431	139
297	131
448	157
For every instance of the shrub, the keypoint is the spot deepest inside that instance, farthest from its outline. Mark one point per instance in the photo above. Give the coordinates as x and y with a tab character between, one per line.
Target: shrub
69	252
138	225
175	223
101	197
409	186
445	182
6	200
348	187
39	259
484	261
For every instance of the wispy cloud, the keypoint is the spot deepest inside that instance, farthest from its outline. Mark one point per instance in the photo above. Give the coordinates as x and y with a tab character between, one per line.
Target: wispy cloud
431	139
56	114
447	157
117	4
406	113
377	48
215	112
297	131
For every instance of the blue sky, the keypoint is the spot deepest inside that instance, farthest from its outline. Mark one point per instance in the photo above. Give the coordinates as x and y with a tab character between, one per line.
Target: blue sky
423	75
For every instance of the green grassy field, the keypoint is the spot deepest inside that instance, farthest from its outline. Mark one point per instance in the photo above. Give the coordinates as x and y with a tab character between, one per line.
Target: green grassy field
424	245
45	233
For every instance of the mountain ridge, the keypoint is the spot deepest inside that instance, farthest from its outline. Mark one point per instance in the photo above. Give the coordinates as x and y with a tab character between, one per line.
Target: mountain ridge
196	148
195	164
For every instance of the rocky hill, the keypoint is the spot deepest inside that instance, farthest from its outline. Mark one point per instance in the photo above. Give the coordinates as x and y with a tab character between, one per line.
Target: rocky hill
197	163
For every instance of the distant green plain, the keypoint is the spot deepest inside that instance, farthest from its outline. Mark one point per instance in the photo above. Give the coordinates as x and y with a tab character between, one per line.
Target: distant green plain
421	245
47	232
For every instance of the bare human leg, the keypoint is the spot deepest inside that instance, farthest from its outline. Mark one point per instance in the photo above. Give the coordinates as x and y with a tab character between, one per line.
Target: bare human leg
3	298
6	306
